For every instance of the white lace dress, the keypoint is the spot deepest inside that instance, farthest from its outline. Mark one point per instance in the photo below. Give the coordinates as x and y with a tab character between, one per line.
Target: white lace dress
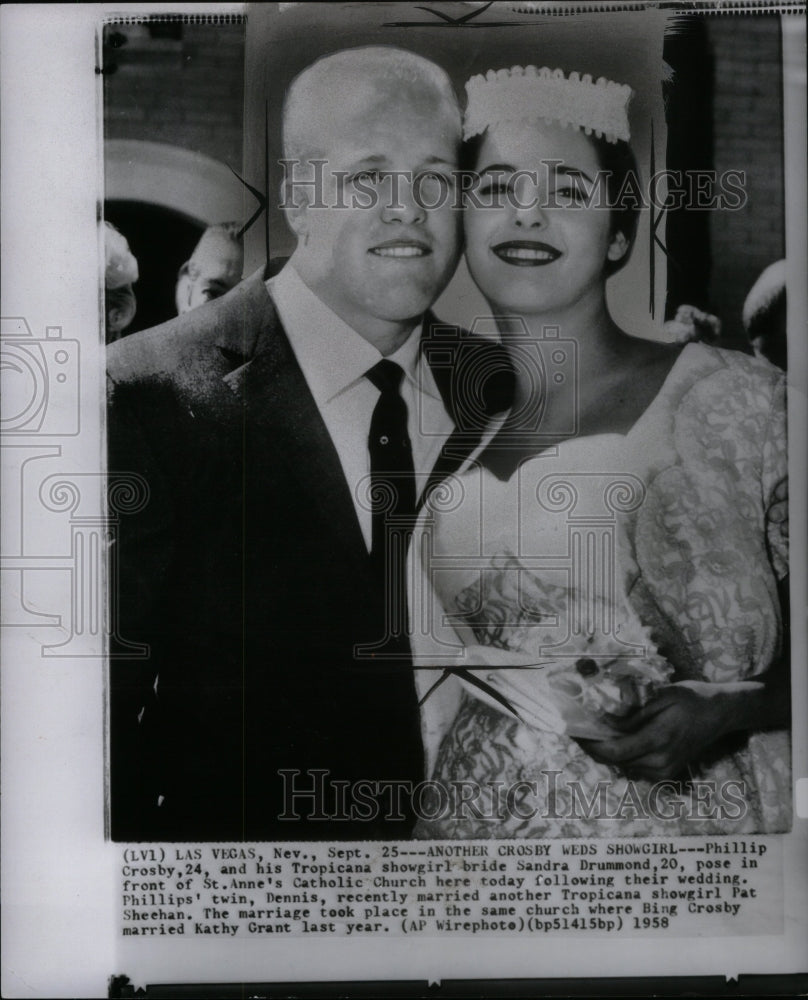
684	519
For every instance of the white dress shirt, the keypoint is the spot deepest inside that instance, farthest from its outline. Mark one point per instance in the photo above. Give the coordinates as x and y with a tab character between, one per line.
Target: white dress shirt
334	359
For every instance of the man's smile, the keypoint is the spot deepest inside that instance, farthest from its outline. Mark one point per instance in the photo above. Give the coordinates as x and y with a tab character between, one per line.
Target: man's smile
526	253
401	249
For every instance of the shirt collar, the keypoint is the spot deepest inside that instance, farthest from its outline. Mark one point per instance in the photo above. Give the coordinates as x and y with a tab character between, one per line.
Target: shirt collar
332	354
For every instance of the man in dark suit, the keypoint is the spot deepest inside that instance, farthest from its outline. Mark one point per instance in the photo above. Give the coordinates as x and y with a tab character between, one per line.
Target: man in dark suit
278	700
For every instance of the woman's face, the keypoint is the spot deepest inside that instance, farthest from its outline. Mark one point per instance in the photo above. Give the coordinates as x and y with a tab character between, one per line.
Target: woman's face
532	244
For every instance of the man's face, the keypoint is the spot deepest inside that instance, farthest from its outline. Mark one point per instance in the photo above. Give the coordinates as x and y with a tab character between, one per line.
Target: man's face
375	255
214	268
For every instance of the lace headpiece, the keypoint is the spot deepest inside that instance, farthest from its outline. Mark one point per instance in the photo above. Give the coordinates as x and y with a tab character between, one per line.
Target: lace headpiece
532	95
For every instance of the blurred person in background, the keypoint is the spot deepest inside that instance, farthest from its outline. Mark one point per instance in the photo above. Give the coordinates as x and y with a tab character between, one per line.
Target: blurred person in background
693	325
214	267
120	273
764	315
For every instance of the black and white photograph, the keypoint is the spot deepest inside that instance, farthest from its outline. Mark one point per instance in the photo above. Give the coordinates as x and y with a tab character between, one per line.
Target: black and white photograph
404	514
623	491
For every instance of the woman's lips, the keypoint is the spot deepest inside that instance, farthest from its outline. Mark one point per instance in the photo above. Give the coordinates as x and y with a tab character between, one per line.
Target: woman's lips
401	249
526	253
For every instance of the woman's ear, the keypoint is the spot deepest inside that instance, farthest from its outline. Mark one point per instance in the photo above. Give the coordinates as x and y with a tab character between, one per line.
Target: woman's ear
618	248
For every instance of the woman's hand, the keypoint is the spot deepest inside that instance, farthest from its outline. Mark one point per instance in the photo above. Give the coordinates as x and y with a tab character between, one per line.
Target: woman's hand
661	738
677	726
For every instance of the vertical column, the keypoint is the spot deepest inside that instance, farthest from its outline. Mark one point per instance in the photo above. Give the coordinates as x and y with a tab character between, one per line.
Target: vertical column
590	502
15	460
92	537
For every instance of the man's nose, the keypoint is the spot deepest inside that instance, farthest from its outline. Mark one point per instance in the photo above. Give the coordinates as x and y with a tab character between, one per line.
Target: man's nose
401	203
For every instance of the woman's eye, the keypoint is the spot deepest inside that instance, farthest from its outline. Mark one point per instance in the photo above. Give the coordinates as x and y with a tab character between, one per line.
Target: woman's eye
570	192
494	187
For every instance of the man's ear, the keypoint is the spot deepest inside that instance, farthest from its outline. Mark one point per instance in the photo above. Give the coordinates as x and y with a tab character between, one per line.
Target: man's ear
618	248
295	207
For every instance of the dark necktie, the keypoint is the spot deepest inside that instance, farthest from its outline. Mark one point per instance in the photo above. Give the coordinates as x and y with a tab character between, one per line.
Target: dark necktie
392	492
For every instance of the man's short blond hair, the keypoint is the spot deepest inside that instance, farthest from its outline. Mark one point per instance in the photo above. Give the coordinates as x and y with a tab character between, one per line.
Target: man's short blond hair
332	79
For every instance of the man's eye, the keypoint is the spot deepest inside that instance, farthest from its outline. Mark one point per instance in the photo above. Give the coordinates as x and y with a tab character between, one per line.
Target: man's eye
431	187
434	177
366	177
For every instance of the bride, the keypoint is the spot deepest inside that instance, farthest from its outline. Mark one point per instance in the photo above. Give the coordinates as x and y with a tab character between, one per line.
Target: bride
614	566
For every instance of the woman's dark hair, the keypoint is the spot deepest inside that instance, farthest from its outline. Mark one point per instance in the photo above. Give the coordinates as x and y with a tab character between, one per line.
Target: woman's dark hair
619	167
619	164
470	152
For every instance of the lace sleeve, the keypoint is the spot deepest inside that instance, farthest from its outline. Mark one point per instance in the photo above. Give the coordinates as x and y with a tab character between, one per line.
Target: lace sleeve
775	481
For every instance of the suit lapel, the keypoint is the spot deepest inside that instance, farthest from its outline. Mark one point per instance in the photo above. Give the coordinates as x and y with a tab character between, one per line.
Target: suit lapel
476	404
281	419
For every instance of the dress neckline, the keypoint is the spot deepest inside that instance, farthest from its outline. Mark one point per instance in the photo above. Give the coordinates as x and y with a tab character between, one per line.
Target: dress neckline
502	461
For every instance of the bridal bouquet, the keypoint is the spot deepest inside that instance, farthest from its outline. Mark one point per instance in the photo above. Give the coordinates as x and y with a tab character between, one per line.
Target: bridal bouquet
519	665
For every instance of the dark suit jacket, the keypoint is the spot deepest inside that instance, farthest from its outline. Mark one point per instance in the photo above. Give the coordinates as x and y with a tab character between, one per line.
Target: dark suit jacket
247	575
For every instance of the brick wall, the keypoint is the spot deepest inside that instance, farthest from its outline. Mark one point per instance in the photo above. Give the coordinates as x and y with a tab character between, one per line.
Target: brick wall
747	135
187	89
